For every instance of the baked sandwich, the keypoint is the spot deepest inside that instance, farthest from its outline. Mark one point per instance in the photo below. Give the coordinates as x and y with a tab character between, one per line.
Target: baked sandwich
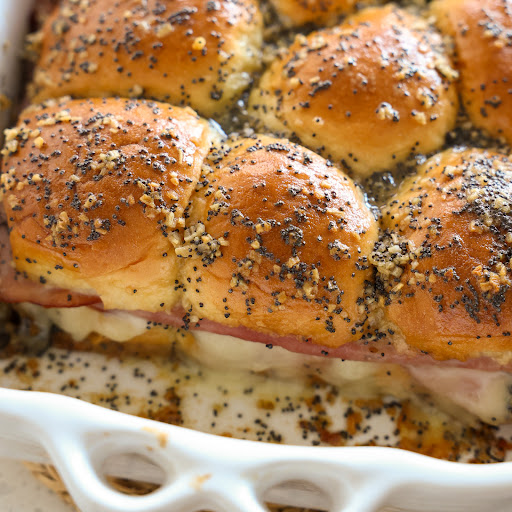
136	221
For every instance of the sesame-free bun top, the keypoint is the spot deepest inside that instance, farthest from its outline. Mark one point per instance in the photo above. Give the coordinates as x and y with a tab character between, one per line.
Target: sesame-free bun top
278	242
368	93
481	30
446	257
186	52
94	193
320	12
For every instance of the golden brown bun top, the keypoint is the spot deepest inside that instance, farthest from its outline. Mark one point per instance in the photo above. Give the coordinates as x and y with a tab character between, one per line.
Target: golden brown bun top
483	54
446	259
187	52
321	12
369	93
94	190
278	242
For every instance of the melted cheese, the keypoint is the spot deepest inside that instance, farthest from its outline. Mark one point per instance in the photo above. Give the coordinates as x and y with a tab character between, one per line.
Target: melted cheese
484	395
82	321
367	380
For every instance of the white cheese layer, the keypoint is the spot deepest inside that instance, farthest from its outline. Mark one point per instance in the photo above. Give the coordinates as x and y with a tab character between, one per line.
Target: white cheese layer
222	352
82	321
485	395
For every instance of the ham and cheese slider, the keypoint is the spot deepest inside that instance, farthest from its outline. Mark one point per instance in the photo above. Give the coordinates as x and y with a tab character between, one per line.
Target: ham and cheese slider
94	192
445	259
186	52
367	94
278	247
123	224
444	264
112	202
481	33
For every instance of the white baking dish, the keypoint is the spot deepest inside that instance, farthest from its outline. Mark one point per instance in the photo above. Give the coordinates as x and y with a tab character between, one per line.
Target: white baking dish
201	471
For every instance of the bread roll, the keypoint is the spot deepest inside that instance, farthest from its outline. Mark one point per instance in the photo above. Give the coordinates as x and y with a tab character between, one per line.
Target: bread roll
368	93
321	12
278	242
186	52
481	30
446	260
94	190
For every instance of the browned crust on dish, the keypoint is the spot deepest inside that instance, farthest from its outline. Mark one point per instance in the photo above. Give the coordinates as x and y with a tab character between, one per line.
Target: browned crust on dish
151	344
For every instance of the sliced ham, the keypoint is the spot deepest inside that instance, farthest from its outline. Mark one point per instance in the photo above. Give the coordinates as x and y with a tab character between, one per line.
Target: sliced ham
15	287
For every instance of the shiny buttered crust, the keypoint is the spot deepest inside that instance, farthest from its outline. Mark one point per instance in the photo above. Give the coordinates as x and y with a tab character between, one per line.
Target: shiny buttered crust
278	242
94	192
186	52
481	30
446	257
368	93
321	12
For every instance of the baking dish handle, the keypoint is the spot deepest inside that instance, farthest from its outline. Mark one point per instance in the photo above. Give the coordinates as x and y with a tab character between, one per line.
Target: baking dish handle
201	471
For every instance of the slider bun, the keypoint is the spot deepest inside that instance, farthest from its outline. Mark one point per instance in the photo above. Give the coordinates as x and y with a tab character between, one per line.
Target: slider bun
186	52
369	93
446	258
321	12
483	55
278	242
94	191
